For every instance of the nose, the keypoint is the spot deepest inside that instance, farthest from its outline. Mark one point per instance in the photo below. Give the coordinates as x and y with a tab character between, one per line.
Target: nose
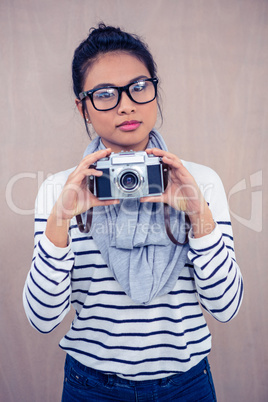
126	105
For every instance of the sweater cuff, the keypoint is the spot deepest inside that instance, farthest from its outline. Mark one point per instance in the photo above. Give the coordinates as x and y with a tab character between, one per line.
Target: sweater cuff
204	244
50	250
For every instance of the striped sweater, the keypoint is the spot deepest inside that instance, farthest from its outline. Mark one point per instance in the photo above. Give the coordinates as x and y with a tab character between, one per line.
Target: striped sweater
110	332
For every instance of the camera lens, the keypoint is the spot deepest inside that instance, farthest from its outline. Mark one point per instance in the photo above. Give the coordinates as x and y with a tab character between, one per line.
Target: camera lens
129	181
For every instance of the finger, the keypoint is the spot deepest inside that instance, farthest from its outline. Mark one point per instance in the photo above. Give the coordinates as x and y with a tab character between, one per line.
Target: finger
160	152
83	168
93	172
109	202
94	157
172	162
101	203
158	198
166	156
155	151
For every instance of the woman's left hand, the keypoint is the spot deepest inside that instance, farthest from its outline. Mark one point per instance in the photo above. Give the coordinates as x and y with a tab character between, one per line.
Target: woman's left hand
182	193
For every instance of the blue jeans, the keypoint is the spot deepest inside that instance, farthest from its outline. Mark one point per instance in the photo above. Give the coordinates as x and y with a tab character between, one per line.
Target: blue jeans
83	384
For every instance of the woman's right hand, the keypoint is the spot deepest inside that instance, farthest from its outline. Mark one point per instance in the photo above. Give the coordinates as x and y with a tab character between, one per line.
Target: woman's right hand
75	199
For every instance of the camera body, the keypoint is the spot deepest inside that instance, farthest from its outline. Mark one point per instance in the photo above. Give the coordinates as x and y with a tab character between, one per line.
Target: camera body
129	175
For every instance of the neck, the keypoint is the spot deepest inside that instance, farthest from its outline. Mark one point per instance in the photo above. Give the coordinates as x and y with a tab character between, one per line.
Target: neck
132	147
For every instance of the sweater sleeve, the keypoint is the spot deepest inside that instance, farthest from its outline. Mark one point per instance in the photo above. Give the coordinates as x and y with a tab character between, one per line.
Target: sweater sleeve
47	290
218	278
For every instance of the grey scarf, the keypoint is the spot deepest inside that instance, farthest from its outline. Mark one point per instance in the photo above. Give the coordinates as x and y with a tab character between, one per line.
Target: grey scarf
132	239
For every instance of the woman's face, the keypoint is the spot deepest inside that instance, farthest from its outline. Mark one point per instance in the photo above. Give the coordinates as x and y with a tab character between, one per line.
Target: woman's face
120	69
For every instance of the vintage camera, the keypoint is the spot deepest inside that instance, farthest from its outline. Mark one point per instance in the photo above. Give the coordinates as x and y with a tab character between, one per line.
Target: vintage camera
129	175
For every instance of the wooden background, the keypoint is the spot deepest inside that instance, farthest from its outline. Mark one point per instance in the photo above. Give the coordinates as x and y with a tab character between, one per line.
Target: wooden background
213	64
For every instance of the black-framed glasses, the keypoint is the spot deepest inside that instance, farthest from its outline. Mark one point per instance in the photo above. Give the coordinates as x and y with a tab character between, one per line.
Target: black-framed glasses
107	98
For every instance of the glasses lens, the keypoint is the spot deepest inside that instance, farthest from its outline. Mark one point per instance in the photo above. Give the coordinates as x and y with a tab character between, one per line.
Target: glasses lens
142	91
105	98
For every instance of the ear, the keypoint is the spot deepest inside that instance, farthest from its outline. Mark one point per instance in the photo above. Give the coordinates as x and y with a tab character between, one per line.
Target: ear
80	109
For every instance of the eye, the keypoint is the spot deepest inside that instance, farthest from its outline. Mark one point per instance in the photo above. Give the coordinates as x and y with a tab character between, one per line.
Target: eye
105	94
139	86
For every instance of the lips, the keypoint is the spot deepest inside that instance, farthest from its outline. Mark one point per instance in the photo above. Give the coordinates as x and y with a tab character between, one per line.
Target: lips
129	125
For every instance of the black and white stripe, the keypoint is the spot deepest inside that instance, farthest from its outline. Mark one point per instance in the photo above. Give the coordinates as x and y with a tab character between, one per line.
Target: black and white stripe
110	332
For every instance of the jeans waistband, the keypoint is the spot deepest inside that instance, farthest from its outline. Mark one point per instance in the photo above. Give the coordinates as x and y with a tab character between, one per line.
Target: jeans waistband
113	378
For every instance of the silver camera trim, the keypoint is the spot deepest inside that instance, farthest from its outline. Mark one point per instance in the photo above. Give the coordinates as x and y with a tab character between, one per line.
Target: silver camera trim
128	161
140	180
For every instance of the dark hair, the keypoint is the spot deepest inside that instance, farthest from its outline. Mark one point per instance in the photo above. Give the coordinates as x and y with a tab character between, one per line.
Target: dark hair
102	40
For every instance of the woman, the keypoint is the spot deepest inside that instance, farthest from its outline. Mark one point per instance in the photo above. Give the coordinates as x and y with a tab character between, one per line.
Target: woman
139	332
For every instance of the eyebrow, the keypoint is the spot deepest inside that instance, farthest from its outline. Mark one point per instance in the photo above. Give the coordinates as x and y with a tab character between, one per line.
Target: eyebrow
108	84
